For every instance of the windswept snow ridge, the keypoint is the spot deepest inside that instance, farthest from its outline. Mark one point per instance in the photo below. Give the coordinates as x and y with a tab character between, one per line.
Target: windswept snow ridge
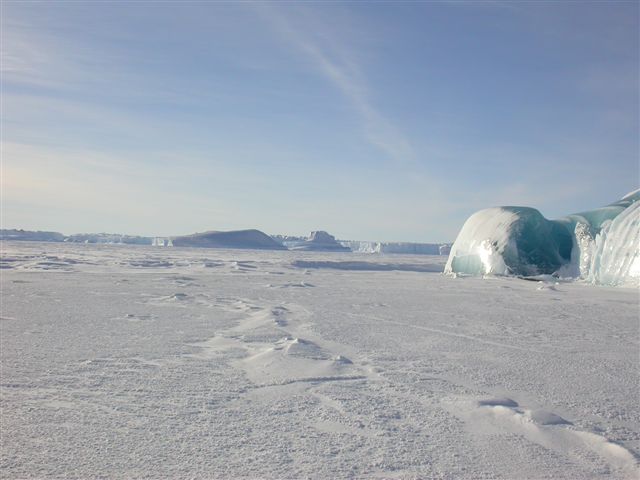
601	245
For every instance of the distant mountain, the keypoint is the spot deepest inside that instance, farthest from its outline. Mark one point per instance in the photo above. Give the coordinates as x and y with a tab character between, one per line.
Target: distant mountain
250	239
27	235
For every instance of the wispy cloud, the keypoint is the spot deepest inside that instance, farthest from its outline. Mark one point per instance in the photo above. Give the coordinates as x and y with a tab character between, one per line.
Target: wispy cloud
334	61
196	109
26	59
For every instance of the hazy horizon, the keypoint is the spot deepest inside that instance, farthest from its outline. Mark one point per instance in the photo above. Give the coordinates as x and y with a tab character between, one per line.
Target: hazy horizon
133	234
384	121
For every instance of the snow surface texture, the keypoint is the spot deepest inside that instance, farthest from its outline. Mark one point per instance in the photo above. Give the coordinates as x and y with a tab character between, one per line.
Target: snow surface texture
601	246
318	241
140	362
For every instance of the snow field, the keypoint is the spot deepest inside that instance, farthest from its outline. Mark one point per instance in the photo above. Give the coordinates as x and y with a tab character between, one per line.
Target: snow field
190	363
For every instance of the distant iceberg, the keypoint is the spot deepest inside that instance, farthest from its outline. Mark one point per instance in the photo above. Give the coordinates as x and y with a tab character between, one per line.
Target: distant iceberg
601	246
30	236
250	239
318	241
397	247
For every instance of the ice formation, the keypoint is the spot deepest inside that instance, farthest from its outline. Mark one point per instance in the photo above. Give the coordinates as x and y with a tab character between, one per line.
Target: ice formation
31	236
601	246
250	239
38	236
614	255
319	241
395	247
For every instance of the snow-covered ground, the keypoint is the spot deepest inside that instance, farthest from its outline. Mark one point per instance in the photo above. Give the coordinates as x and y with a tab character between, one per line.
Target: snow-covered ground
124	361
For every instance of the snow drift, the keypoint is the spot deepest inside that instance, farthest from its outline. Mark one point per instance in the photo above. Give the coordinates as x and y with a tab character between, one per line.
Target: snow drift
250	239
601	245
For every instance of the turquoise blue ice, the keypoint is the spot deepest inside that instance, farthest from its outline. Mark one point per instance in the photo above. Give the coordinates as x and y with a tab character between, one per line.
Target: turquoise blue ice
601	245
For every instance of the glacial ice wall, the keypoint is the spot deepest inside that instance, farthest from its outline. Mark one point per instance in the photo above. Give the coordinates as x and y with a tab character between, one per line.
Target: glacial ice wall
600	246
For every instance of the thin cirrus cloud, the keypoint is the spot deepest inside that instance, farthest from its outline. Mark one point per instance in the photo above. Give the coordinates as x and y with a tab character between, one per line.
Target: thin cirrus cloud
36	57
385	122
333	60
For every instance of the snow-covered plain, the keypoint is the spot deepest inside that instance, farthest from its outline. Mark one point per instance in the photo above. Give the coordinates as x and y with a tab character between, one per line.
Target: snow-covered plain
125	361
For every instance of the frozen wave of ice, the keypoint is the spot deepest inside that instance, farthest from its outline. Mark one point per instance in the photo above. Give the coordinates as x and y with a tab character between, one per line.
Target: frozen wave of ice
601	246
615	251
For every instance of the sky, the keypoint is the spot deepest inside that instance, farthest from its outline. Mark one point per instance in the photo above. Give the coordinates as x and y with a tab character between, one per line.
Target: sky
388	121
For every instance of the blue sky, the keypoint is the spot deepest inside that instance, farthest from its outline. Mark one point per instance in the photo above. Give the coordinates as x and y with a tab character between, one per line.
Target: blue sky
374	121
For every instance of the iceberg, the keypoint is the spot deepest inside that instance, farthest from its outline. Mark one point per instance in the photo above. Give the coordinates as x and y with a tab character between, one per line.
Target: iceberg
249	239
108	238
601	246
614	254
397	247
318	241
30	236
510	240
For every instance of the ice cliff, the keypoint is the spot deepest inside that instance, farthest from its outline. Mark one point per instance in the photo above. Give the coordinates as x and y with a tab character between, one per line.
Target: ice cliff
601	246
112	238
394	247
